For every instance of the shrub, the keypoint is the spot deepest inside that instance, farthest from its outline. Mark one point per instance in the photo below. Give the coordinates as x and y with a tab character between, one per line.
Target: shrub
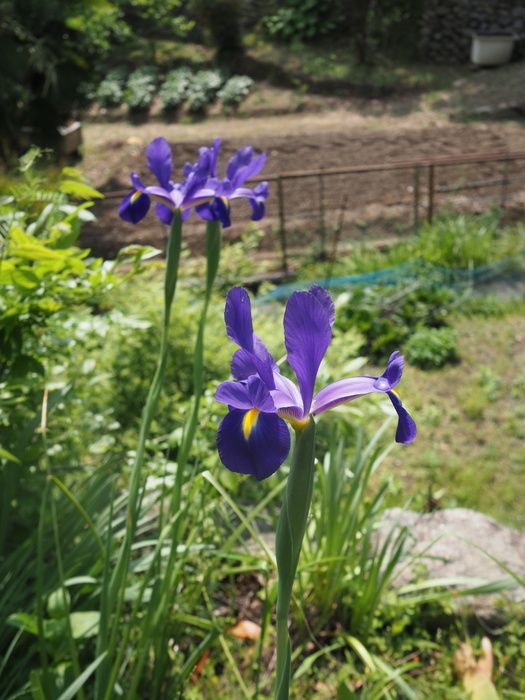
432	348
203	89
110	92
141	87
175	87
386	316
235	90
299	19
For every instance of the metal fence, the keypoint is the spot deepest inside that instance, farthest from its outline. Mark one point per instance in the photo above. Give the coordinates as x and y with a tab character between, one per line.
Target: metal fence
327	208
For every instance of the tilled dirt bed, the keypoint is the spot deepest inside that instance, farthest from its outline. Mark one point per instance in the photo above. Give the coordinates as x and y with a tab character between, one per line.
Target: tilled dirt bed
314	206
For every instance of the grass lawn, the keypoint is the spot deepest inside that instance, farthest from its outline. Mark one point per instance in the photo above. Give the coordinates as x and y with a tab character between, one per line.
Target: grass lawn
470	449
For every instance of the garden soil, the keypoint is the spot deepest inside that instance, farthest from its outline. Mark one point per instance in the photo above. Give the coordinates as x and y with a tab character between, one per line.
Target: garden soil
341	134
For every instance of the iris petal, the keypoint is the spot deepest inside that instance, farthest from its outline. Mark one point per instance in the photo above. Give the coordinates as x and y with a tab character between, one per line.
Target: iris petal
164	213
158	154
394	369
262	453
238	318
307	335
253	394
325	299
134	207
406	427
342	391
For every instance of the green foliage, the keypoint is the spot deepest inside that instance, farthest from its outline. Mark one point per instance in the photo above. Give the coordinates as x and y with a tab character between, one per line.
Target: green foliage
141	88
300	20
174	88
235	90
387	316
44	277
222	21
464	241
48	50
110	92
203	89
343	564
432	348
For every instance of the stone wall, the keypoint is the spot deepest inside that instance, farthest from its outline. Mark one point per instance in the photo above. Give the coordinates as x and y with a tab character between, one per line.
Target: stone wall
447	26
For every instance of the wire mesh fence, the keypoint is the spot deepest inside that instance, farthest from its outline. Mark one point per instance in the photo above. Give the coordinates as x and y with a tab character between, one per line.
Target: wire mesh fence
322	211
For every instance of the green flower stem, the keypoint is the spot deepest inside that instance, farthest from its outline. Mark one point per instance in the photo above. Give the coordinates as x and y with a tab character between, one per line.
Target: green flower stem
113	595
169	585
213	251
290	532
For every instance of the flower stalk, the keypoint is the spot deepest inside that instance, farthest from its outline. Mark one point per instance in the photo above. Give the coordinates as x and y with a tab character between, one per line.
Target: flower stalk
290	533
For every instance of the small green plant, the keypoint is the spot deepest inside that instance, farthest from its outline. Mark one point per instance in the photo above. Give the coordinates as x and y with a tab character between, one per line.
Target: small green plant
432	348
203	89
140	88
175	87
235	90
110	92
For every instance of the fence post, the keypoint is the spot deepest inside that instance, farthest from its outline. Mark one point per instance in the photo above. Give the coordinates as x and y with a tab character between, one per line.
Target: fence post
430	210
282	230
504	185
416	198
322	230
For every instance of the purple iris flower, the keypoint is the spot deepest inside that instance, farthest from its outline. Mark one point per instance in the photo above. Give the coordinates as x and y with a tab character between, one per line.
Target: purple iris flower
201	189
241	167
168	195
253	437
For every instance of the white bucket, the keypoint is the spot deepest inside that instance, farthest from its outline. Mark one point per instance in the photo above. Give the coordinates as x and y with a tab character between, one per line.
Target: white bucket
491	50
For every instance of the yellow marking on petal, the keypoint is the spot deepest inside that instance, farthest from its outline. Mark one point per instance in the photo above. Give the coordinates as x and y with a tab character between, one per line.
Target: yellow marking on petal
249	421
396	392
135	196
295	422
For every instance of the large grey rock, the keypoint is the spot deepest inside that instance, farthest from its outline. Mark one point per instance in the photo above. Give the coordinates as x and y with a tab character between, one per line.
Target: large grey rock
453	543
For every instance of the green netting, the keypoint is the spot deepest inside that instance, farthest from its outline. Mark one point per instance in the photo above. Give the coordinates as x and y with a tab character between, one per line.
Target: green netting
509	270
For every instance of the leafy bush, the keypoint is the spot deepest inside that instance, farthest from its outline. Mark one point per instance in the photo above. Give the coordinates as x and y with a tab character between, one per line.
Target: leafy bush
44	279
140	88
386	316
235	90
299	20
175	87
203	89
465	241
432	348
110	92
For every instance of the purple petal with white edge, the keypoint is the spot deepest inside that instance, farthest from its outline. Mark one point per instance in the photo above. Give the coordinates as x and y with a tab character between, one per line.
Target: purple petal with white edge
326	300
287	397
342	391
394	369
134	207
262	452
159	160
307	335
252	394
406	428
